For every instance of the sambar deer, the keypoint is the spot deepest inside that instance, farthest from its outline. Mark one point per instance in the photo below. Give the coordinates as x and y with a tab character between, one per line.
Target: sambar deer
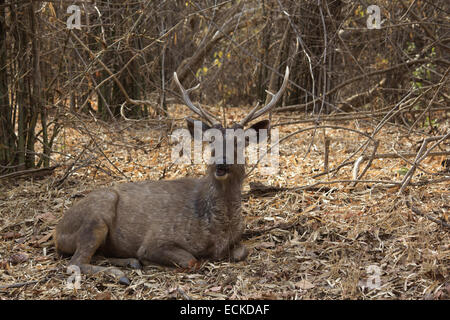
169	222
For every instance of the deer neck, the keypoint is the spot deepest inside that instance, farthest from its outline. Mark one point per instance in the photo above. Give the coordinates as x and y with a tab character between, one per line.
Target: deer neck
220	197
230	188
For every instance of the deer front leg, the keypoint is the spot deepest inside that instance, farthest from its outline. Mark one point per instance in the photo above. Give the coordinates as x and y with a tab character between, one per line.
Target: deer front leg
169	255
239	252
90	236
233	253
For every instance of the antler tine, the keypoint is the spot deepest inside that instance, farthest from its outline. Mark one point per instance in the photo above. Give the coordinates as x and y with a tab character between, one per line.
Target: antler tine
249	116
198	110
275	97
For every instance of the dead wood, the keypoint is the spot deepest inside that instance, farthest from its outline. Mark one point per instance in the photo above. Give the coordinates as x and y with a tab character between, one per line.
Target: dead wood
35	173
429	217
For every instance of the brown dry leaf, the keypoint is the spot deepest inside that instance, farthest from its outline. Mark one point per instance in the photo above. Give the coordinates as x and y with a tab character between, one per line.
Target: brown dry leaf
17	258
4	264
304	284
11	235
103	296
216	295
41	258
393	189
269	296
215	289
265	245
44	238
172	290
46	217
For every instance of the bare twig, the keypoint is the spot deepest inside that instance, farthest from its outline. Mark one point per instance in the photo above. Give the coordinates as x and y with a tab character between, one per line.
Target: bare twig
384	156
17	285
422	154
33	172
420	213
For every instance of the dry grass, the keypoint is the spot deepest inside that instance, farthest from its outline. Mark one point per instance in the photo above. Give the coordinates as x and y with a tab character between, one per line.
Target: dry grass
308	244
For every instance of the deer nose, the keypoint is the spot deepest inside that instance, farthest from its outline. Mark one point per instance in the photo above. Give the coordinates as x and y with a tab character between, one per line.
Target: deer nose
223	166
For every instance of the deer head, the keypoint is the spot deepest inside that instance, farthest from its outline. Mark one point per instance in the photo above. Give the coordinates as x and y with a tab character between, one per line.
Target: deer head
228	142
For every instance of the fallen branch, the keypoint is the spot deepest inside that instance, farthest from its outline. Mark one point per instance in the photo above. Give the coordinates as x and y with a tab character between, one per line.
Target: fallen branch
421	155
248	234
41	172
260	189
17	285
420	213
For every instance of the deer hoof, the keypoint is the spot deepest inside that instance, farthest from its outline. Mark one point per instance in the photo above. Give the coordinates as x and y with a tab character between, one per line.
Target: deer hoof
239	253
124	280
134	264
192	265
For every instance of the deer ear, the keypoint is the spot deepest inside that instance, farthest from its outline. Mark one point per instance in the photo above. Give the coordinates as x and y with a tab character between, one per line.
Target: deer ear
261	125
192	127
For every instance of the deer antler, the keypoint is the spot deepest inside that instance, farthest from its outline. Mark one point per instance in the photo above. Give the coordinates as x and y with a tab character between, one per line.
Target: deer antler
275	97
198	110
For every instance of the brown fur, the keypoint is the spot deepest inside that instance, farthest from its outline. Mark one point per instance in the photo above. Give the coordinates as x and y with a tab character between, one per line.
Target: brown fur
172	222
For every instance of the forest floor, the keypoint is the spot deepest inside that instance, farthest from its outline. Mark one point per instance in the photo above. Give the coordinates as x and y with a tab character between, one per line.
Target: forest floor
327	241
